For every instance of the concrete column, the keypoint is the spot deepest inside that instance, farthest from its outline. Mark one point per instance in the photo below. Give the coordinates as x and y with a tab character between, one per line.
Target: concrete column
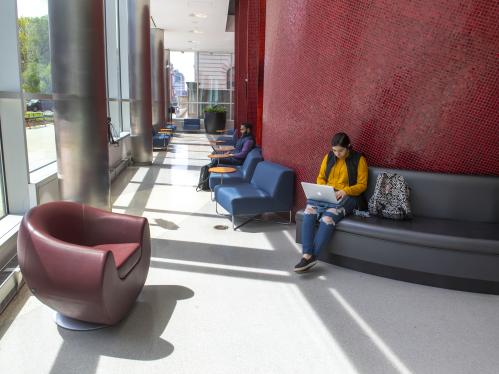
79	91
158	77
139	61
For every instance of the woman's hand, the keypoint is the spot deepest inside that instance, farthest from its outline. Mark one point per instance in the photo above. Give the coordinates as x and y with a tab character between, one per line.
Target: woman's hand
340	194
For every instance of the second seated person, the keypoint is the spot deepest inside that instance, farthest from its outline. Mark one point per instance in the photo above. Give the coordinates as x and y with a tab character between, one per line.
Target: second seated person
244	144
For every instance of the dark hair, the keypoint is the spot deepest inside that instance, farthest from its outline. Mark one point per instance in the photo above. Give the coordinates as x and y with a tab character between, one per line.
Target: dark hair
248	126
341	139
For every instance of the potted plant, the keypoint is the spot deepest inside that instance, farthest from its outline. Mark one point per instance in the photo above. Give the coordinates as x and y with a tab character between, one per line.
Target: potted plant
214	118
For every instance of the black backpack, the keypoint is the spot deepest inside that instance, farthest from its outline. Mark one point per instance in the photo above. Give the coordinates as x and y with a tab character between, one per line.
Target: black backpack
204	178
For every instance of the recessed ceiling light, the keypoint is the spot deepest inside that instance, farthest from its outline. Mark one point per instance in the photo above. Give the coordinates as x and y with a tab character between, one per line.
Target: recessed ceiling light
199	15
193	41
196	31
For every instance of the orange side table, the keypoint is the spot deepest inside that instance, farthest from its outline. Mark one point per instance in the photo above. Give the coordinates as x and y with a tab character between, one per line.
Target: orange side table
222	170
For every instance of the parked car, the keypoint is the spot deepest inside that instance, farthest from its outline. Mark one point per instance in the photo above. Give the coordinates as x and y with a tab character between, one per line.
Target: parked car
37	105
34	105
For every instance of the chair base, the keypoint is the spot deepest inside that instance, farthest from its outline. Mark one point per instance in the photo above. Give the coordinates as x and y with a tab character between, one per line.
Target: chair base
75	324
255	218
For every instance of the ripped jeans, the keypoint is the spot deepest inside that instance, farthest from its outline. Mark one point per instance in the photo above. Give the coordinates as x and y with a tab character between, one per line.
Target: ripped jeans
328	215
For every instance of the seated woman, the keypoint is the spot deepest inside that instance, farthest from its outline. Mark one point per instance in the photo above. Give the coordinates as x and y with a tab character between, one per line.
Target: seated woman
244	144
345	170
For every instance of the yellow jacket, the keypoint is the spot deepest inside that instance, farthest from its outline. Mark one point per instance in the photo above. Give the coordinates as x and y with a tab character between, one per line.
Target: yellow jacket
338	177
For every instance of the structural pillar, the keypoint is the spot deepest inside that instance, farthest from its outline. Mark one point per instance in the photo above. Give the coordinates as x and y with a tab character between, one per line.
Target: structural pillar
139	61
79	92
158	77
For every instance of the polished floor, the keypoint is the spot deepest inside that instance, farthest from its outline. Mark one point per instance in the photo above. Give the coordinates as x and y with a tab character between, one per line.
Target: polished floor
219	301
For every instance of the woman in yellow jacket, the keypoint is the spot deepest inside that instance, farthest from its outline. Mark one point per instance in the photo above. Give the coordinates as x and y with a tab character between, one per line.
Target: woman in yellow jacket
345	170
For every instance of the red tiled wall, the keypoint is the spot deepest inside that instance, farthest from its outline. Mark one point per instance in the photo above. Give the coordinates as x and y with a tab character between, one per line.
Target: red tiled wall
241	62
249	51
414	83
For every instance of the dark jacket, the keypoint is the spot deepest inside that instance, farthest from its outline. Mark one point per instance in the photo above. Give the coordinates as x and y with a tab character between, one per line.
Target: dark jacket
243	145
352	162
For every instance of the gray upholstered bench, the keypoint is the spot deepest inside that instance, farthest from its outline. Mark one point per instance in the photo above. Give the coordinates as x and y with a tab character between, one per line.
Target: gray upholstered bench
452	242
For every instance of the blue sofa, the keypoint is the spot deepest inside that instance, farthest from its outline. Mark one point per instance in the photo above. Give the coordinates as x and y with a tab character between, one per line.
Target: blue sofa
244	172
271	189
192	124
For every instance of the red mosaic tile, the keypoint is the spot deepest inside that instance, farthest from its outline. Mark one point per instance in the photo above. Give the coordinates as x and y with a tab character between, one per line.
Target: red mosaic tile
414	83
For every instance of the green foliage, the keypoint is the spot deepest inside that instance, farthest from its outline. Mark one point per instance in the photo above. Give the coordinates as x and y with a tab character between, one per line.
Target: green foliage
215	109
35	54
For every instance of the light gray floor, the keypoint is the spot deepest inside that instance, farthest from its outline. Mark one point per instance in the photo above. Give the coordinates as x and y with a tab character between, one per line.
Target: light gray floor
228	302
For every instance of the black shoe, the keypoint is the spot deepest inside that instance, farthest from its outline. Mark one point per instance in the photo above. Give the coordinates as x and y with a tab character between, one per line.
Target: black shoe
304	264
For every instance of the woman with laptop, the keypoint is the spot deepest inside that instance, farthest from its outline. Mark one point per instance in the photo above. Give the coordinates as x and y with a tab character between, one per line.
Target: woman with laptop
345	170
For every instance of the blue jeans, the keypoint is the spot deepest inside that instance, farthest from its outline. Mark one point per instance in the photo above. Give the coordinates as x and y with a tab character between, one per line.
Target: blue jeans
328	215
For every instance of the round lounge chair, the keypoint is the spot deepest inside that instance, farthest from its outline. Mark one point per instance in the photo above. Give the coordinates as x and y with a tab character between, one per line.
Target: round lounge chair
86	263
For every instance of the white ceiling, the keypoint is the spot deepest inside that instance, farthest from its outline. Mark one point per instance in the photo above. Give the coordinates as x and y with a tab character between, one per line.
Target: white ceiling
175	16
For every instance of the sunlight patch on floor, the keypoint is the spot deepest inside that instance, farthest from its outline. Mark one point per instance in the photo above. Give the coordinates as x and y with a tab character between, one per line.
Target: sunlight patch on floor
375	338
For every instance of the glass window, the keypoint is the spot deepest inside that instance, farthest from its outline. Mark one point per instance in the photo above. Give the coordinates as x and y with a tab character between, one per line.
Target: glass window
199	80
3	205
184	86
113	64
36	82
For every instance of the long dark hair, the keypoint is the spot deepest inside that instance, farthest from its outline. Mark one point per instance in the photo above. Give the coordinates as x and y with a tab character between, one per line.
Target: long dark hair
342	140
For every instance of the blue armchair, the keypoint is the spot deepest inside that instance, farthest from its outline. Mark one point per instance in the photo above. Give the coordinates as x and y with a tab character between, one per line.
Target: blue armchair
160	140
192	124
230	138
271	189
244	172
171	126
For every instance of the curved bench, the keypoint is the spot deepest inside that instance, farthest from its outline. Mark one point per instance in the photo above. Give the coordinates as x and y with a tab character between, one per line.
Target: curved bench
452	241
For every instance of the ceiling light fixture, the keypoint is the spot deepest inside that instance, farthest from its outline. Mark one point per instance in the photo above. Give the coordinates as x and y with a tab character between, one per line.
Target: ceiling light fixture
199	15
196	31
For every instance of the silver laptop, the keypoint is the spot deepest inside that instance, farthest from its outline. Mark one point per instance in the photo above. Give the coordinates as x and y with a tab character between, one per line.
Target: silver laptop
319	192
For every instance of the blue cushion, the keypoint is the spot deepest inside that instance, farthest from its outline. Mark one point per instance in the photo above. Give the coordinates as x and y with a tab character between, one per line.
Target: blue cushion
271	190
275	179
243	198
192	124
249	165
244	172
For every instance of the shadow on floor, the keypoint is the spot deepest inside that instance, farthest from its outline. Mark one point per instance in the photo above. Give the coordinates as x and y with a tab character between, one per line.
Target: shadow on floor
137	337
168	225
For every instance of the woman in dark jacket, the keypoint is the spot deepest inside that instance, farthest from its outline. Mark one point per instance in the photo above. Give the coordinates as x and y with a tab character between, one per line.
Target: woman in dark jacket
346	171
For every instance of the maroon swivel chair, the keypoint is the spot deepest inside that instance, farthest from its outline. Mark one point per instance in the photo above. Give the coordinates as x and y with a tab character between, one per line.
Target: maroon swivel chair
86	263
